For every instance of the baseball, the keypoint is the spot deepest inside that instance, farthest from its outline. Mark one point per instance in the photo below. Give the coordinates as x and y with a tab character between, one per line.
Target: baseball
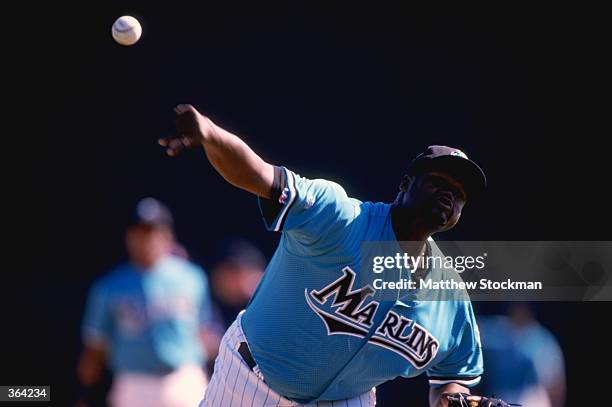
126	30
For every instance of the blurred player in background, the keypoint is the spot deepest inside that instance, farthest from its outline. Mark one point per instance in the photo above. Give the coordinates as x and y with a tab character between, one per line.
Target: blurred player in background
525	362
145	319
234	278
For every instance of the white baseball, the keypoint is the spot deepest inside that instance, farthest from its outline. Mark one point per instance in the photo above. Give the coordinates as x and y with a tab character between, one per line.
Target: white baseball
126	30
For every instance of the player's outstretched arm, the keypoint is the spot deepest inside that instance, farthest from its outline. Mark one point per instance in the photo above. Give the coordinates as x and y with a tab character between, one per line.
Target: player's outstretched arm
228	154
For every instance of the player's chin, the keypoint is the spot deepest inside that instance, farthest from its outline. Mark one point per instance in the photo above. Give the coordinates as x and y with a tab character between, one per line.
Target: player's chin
443	219
451	223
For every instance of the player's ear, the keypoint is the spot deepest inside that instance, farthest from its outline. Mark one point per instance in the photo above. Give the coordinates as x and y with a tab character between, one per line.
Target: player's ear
405	182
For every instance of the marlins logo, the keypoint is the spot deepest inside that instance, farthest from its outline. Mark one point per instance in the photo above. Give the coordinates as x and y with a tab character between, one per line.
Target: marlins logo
350	315
282	199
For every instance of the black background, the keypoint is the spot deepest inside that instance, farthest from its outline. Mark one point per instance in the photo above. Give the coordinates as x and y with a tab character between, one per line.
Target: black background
347	93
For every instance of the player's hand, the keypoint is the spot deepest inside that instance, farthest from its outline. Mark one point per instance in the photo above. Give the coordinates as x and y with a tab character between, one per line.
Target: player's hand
469	400
192	129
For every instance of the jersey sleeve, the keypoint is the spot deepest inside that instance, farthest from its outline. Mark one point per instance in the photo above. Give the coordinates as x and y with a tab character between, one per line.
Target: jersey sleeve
97	320
464	364
305	208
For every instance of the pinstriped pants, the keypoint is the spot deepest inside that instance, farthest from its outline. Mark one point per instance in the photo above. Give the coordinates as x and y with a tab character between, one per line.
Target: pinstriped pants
234	384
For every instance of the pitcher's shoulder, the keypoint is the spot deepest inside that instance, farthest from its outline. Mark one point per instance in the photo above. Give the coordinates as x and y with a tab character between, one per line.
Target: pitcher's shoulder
373	209
371	221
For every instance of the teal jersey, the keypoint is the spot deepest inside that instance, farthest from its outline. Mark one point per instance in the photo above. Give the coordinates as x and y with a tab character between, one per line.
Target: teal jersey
310	329
149	321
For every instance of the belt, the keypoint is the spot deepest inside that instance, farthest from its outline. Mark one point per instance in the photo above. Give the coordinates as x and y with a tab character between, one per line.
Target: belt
162	371
245	353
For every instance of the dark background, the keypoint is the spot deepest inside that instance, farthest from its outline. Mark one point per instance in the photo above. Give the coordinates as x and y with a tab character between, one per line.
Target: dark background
346	93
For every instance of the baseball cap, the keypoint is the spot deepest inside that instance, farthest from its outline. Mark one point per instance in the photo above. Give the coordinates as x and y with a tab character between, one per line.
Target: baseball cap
152	212
454	162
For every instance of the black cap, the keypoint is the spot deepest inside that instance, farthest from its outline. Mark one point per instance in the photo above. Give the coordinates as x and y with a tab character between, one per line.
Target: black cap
149	211
454	162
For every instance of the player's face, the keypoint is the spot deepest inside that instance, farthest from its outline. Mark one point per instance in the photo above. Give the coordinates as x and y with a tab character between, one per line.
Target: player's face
147	244
438	198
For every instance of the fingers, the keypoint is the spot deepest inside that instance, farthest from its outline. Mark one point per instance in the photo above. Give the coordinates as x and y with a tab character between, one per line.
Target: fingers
186	125
173	152
176	144
173	145
184	108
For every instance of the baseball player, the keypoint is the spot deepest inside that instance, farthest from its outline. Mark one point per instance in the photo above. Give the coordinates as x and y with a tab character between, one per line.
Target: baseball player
311	335
145	319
